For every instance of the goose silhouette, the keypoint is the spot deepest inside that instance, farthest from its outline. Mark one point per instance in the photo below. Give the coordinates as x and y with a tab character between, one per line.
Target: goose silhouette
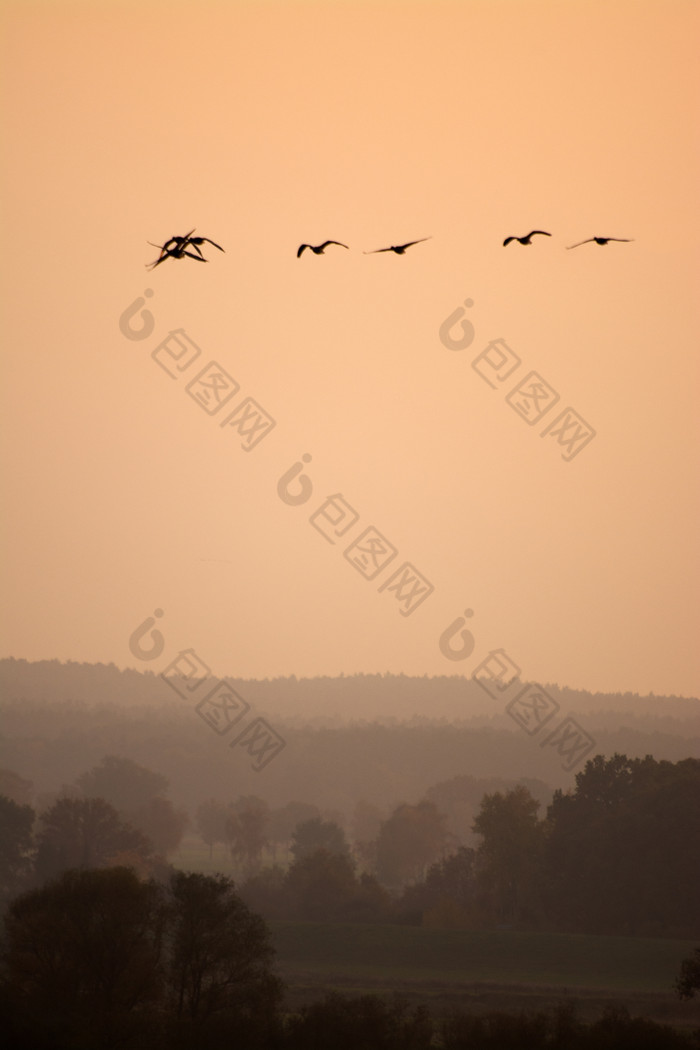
399	249
599	240
528	237
176	248
318	249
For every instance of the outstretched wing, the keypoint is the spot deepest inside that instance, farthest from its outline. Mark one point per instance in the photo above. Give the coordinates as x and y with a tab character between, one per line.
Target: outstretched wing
543	232
301	248
194	243
570	246
326	243
627	240
411	243
375	250
164	250
508	240
209	241
161	258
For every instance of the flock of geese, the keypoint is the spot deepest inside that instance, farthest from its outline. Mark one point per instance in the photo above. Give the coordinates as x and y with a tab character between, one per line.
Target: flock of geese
176	247
527	239
399	249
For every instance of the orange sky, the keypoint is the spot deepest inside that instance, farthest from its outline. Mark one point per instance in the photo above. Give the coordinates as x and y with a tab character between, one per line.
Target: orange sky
265	125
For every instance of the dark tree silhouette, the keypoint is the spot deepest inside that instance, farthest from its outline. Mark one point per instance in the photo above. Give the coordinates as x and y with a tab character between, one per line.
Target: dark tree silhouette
459	798
102	959
245	830
623	809
219	969
16	842
322	886
360	1023
83	959
509	855
447	895
315	834
284	820
688	981
211	818
84	833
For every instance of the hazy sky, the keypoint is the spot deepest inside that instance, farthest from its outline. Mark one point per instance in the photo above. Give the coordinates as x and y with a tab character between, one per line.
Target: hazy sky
265	125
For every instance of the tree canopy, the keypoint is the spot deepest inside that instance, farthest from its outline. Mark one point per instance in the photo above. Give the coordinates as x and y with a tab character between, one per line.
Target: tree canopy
125	784
315	834
16	846
409	840
102	959
84	833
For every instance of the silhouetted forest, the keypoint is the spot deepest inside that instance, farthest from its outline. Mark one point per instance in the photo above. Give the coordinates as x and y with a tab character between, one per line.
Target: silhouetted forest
386	739
97	959
335	701
617	854
111	939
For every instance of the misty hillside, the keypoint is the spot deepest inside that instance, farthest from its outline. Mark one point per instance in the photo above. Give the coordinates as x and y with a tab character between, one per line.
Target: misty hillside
385	739
337	701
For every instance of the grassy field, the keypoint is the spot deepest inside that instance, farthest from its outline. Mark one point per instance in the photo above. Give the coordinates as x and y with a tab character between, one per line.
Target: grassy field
502	957
471	970
483	970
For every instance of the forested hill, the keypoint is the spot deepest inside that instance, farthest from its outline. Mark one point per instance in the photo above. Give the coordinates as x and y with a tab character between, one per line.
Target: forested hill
342	700
383	738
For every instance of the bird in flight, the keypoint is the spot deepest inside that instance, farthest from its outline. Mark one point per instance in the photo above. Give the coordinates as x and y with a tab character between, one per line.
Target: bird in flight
176	248
318	249
527	239
599	240
398	248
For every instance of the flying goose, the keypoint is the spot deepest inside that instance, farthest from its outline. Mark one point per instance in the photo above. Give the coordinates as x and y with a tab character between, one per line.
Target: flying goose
599	240
318	249
398	248
527	239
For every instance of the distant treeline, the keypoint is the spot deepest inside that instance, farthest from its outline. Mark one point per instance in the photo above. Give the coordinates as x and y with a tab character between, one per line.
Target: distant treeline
338	700
59	719
618	854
